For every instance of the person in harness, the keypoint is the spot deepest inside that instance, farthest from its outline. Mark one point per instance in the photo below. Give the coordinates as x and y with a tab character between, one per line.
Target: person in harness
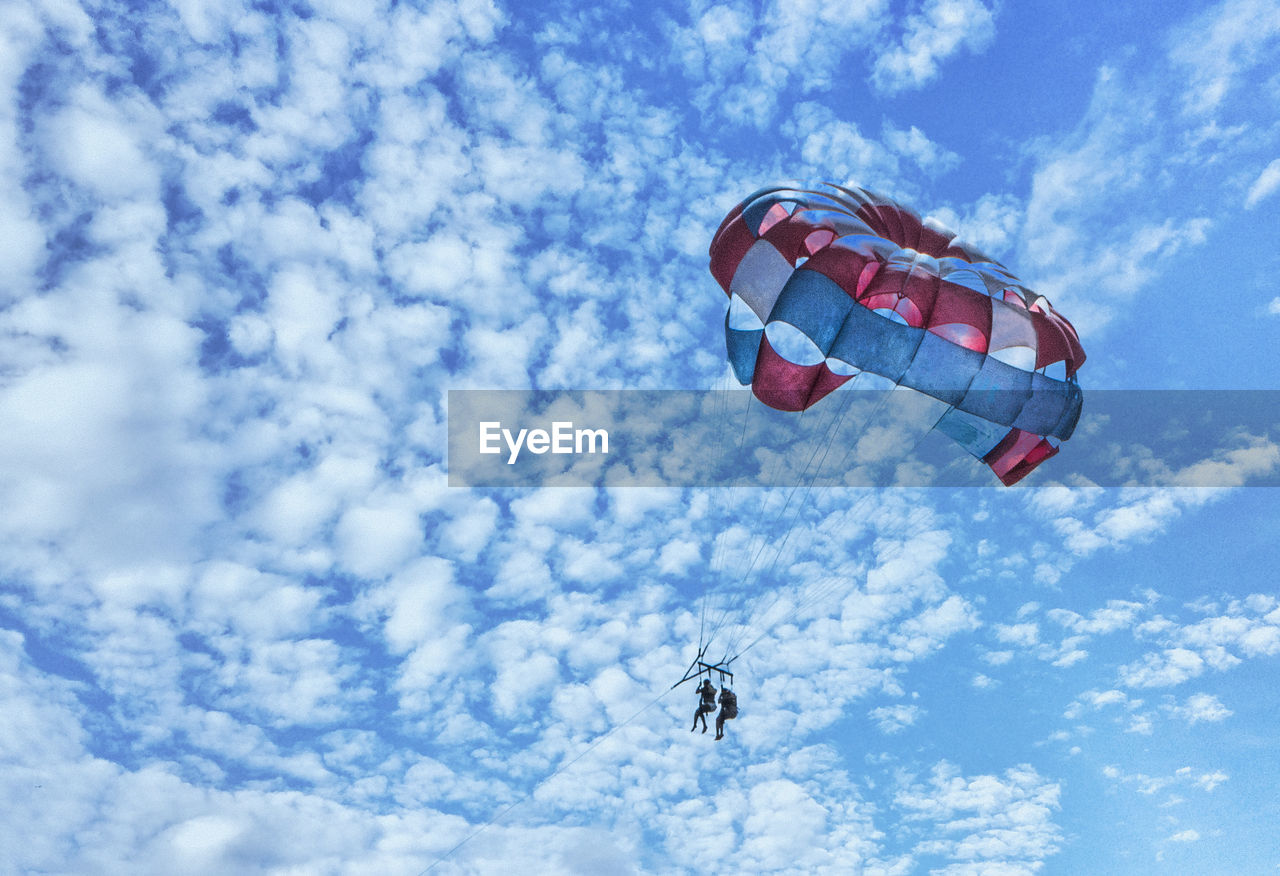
706	705
728	709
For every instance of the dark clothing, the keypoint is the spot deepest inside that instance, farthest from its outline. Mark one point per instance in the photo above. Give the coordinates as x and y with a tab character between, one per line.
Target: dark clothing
728	710
706	705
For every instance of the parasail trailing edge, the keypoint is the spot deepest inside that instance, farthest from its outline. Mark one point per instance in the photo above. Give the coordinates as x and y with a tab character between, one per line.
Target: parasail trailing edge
827	282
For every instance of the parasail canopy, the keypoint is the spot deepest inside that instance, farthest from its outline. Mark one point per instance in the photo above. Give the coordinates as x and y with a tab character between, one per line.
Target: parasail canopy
828	282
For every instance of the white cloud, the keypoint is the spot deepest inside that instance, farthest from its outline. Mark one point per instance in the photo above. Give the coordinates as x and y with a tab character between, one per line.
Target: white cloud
786	825
90	143
988	820
892	719
1209	781
417	602
722	27
522	579
21	237
1244	630
1220	44
591	563
524	669
1172	667
247	600
992	225
465	536
223	388
1024	634
742	62
295	509
1117	615
290	682
556	507
1094	700
1202	707
836	146
630	506
677	556
939	30
1114	154
105	432
1182	776
914	145
373	541
250	335
1267	183
1144	513
933	626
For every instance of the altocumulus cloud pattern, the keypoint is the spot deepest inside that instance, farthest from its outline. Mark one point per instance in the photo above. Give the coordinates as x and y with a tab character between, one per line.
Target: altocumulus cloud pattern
247	627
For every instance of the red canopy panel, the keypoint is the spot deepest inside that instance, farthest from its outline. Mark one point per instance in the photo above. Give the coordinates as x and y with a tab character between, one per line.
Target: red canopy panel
1017	454
731	244
955	304
786	386
843	265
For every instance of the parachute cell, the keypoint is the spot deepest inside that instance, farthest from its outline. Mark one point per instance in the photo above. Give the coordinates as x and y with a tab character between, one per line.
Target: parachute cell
873	288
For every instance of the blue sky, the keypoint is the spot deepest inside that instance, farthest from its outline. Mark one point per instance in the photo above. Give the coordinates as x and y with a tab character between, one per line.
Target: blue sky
246	626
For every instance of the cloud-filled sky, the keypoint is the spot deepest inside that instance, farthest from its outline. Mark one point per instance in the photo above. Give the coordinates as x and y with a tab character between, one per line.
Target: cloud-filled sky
246	625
